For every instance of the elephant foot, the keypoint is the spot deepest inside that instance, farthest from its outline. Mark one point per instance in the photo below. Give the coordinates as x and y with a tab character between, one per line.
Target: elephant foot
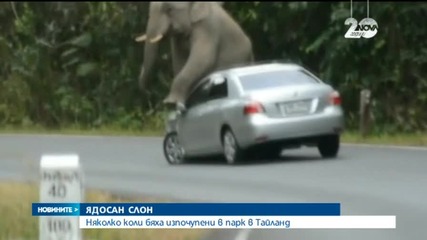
171	99
170	107
171	102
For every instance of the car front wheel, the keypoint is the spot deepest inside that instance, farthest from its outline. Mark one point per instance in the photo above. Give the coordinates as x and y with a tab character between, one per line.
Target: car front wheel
232	152
172	149
329	146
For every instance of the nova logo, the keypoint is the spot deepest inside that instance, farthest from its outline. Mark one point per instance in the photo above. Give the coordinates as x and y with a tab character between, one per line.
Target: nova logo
367	28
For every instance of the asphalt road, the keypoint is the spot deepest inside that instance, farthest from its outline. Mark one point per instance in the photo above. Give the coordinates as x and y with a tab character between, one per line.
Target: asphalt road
366	180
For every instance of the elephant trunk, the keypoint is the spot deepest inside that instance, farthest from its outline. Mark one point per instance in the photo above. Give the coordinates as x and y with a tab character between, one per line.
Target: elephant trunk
150	55
157	27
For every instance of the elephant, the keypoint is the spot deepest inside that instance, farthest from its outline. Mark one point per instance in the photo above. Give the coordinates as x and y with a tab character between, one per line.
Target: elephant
203	38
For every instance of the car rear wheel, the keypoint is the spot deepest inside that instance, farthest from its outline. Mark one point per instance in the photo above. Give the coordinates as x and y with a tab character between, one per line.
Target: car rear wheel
172	149
329	146
232	152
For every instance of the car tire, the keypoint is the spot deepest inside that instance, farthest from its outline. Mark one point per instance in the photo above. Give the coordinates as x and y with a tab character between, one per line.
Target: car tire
329	146
173	152
232	152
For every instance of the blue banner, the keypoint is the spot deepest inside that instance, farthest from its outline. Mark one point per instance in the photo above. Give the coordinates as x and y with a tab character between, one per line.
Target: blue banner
186	209
56	209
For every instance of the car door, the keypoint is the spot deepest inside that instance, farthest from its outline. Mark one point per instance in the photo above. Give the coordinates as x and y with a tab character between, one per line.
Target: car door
211	116
191	127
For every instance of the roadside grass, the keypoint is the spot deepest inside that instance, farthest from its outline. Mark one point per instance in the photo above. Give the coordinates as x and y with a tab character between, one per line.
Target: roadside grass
419	139
111	130
16	221
402	139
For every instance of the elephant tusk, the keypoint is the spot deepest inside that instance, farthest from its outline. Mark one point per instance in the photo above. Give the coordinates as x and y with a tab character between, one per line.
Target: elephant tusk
156	39
141	38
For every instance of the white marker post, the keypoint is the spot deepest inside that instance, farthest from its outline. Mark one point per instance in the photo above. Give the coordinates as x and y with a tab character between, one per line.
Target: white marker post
61	182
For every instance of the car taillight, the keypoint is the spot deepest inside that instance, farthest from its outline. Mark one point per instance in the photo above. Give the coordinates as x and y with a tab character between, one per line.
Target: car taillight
335	98
253	108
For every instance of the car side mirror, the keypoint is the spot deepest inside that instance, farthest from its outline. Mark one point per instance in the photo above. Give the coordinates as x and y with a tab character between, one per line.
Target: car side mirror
181	107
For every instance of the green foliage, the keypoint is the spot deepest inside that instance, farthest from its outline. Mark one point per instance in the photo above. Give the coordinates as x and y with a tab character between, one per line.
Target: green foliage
76	63
392	64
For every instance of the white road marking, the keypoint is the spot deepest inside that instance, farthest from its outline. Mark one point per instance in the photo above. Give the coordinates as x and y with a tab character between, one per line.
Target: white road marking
243	234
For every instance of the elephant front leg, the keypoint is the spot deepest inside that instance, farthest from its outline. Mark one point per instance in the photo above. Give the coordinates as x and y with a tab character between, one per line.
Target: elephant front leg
177	93
179	53
200	62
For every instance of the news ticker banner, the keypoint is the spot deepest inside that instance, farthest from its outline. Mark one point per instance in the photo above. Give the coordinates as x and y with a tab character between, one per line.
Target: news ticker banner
186	209
212	215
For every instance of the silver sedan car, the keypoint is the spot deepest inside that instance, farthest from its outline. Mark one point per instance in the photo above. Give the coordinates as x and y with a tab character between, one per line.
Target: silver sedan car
255	111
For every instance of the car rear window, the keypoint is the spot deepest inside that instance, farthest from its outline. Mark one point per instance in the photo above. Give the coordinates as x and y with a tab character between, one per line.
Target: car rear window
276	78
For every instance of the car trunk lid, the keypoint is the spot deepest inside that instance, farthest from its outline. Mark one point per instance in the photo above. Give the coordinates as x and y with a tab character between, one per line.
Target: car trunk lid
293	101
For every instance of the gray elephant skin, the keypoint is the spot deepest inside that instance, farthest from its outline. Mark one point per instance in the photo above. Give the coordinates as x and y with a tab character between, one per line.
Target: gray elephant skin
203	38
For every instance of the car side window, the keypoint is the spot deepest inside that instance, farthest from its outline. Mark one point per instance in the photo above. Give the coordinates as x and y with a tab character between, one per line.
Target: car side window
199	95
219	88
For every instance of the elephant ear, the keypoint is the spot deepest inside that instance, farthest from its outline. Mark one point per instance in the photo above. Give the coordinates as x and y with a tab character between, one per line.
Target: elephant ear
200	10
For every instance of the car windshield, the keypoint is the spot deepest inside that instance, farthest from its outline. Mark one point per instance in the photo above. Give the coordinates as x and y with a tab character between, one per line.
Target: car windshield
276	78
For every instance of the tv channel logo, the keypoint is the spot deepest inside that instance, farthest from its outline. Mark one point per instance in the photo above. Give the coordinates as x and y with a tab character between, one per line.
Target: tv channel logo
367	28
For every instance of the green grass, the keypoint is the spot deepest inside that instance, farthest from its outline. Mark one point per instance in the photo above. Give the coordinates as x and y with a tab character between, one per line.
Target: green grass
75	130
348	137
387	139
17	223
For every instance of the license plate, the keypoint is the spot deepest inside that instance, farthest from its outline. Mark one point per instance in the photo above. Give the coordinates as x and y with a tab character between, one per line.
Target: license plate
300	107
